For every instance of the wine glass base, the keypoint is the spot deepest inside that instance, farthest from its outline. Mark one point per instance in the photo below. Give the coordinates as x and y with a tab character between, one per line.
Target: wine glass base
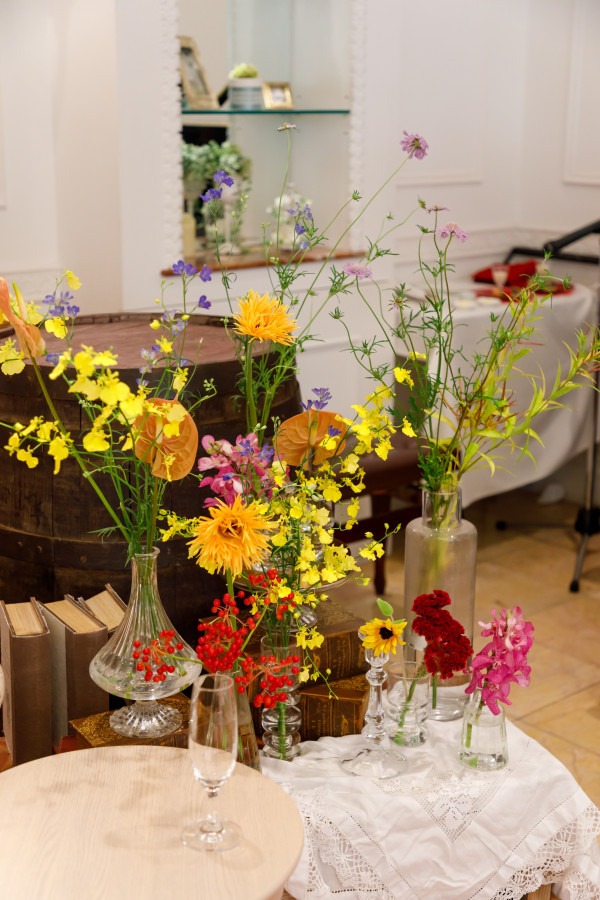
375	764
200	836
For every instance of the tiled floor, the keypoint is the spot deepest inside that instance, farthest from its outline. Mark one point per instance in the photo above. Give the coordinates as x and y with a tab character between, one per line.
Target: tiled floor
531	564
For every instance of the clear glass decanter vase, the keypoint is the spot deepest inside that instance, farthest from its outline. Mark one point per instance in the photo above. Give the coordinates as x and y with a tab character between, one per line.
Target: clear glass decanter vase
440	554
115	669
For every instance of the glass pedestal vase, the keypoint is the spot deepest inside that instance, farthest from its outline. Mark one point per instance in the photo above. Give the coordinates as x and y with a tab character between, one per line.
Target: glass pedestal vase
281	724
483	744
408	703
440	554
115	669
377	760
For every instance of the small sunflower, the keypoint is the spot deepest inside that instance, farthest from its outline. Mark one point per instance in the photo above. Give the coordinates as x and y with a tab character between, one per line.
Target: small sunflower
264	318
231	537
382	636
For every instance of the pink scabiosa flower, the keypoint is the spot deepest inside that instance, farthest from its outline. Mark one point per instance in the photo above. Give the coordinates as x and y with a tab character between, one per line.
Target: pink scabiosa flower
414	145
447	231
355	270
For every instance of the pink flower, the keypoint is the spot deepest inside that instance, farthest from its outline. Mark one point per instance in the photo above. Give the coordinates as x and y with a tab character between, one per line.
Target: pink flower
436	208
504	660
355	270
446	231
414	145
242	468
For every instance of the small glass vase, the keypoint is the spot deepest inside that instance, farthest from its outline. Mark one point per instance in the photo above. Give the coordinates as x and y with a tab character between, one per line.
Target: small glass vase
483	742
440	554
115	670
377	760
408	703
281	724
248	753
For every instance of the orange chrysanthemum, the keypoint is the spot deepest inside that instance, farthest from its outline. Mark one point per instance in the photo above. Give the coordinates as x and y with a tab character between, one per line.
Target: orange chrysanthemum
171	456
299	437
30	340
264	318
231	537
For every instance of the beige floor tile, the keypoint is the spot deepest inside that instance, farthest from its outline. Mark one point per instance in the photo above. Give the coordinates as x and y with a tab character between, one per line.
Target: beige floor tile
576	717
582	763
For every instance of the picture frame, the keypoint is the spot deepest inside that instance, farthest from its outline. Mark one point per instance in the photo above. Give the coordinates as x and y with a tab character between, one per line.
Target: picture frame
277	95
194	84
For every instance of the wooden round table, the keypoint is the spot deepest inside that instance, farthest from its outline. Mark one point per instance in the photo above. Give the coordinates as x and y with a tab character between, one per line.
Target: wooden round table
106	824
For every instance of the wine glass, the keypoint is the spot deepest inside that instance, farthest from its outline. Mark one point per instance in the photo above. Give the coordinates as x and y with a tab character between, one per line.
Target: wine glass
500	274
213	739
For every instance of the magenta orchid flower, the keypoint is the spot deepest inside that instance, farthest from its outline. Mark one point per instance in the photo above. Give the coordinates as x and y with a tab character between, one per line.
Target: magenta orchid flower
503	661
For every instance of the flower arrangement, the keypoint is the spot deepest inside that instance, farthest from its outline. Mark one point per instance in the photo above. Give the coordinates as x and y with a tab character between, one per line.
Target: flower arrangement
448	649
503	661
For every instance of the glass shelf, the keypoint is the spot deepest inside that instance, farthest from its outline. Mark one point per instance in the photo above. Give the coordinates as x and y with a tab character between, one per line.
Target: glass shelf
265	112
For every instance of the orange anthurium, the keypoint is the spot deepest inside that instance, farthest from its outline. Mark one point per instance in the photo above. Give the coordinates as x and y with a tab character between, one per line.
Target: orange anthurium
302	434
167	439
30	340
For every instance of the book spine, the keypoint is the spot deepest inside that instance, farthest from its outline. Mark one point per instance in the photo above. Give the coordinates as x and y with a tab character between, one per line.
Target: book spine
324	716
342	653
27	708
84	696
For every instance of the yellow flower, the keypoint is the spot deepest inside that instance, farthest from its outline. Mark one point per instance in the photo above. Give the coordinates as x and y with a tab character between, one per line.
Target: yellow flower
382	637
407	428
155	324
402	376
27	456
165	345
63	361
95	441
84	363
72	280
59	450
309	639
231	537
11	359
56	326
264	318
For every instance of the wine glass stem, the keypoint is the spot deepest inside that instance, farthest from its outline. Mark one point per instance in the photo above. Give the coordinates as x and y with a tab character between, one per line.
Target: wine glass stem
212	824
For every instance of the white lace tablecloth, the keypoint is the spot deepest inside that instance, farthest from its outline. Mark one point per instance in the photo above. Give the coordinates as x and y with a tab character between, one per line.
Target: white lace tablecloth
440	831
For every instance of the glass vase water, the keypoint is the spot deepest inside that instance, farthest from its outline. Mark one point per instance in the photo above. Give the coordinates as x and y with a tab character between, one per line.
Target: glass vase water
483	743
408	703
281	724
115	670
440	554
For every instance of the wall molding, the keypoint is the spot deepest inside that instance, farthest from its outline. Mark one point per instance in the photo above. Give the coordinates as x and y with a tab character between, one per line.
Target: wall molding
574	171
170	114
34	284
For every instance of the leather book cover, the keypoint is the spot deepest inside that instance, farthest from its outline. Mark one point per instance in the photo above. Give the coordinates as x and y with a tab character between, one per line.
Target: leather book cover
324	715
75	638
27	706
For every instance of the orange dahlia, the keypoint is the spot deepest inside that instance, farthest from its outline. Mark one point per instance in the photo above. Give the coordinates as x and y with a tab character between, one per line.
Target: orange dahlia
231	537
264	318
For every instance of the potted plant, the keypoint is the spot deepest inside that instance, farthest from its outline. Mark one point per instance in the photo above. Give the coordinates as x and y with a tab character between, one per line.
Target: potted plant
245	87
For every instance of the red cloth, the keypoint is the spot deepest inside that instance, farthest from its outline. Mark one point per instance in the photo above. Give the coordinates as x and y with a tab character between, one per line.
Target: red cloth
518	274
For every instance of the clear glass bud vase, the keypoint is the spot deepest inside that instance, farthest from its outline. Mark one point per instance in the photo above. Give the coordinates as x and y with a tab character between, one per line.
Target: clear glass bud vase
440	554
116	670
281	723
483	742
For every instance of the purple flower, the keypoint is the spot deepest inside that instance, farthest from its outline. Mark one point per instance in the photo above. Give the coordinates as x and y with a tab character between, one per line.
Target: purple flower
245	446
223	178
182	268
266	453
141	383
203	303
52	358
446	231
323	396
333	432
205	273
211	194
414	145
436	208
355	270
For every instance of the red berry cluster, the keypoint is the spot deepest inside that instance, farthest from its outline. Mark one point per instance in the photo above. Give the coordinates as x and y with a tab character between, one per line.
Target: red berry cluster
273	678
448	648
285	604
151	659
220	644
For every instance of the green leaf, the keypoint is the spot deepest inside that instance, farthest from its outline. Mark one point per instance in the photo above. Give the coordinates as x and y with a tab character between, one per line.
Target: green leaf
385	608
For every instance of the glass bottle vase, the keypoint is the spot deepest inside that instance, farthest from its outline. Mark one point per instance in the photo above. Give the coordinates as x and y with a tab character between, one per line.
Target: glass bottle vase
440	554
483	743
115	669
281	724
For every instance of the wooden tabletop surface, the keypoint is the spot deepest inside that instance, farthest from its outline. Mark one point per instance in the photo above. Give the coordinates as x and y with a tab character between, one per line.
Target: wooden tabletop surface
106	823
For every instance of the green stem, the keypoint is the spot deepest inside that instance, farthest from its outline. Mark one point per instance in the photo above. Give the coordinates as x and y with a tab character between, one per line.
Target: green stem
399	736
434	682
251	417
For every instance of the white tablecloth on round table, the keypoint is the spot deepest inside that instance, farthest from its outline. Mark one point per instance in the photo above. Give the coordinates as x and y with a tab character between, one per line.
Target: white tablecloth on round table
564	432
441	831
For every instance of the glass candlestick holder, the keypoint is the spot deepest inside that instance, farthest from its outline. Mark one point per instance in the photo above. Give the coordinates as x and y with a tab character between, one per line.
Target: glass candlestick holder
377	759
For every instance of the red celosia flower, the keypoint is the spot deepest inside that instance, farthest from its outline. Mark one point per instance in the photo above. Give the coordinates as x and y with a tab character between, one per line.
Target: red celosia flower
448	648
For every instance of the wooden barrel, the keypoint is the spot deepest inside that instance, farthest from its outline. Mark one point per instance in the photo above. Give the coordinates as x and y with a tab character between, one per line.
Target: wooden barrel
47	547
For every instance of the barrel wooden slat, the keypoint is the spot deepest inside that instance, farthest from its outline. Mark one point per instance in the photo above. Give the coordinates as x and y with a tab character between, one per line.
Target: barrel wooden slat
45	521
